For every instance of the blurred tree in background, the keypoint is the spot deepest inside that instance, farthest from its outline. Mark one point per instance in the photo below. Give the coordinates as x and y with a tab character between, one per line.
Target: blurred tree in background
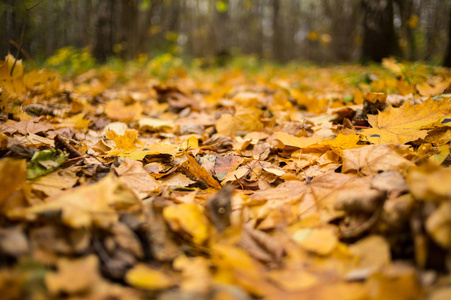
319	31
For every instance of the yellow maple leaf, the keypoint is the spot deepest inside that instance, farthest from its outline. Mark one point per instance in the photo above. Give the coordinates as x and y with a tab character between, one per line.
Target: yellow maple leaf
126	142
406	123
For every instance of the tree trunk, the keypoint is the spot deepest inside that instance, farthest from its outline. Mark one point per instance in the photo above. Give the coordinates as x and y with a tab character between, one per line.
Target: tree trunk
103	43
221	31
129	28
277	38
379	38
15	17
447	61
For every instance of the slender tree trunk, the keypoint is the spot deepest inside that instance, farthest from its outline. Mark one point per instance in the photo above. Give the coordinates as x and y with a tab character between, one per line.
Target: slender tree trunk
129	28
379	38
447	61
221	31
277	38
103	43
15	18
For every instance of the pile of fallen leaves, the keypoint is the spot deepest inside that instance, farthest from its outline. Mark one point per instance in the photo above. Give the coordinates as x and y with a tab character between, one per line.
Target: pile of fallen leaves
296	183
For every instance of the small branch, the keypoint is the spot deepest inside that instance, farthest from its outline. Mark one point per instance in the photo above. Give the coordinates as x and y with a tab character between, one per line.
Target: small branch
61	144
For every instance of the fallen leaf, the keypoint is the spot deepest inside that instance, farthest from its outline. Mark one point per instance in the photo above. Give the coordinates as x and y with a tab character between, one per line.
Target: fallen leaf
116	110
438	225
196	275
44	162
199	172
319	241
372	253
143	276
292	141
12	175
188	218
293	280
372	159
152	124
84	206
132	173
430	186
406	123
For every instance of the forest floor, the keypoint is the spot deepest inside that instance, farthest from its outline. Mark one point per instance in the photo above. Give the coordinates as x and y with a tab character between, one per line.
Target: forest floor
277	183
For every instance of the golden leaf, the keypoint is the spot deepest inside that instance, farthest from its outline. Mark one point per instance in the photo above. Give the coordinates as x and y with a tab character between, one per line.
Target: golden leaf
143	276
189	218
298	142
406	123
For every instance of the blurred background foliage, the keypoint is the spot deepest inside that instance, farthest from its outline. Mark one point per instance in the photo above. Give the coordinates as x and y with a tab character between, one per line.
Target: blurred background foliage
72	35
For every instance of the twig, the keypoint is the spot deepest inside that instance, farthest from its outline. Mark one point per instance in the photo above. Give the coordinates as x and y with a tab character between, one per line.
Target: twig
60	143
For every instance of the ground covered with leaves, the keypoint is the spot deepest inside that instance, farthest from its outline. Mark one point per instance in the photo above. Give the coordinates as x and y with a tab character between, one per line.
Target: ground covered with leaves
293	182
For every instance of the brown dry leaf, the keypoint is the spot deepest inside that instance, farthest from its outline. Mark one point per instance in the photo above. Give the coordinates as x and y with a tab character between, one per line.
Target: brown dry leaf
132	173
176	180
317	195
261	246
35	125
372	159
406	123
236	175
226	164
199	172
